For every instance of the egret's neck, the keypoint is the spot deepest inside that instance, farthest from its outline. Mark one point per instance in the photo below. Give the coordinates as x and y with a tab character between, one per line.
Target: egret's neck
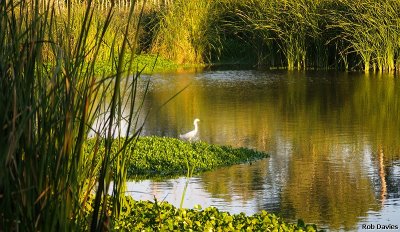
195	126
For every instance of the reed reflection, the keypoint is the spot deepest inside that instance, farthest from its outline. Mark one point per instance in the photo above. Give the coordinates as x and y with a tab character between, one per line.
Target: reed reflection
326	134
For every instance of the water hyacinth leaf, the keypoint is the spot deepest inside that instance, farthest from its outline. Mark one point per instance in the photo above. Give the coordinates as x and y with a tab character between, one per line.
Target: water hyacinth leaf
146	160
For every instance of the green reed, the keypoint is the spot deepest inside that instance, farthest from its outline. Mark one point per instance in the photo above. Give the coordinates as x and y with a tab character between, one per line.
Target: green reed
326	33
49	98
287	26
371	29
298	34
184	31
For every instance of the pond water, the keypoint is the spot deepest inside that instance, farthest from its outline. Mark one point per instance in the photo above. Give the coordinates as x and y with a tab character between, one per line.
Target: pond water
334	141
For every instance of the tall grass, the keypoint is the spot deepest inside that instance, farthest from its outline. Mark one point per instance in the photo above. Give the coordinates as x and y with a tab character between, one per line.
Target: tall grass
298	34
49	98
117	4
331	30
185	32
372	30
288	23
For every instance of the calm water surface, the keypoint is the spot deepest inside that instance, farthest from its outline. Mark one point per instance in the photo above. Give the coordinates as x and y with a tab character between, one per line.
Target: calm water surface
334	141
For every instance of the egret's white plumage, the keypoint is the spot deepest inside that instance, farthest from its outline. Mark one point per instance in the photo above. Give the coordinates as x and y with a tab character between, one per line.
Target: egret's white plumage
191	134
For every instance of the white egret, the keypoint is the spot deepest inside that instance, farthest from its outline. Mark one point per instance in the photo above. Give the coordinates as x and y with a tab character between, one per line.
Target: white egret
191	134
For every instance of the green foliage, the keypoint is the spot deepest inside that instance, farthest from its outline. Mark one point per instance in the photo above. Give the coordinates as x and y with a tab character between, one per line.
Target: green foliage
295	34
163	156
147	63
49	96
162	216
185	31
298	34
371	29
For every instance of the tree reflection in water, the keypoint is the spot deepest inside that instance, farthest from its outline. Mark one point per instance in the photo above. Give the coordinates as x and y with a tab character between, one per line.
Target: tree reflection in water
332	138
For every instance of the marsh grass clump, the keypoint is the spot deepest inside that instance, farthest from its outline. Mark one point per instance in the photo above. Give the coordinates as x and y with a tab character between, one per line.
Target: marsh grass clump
185	31
299	34
372	31
50	95
326	34
165	157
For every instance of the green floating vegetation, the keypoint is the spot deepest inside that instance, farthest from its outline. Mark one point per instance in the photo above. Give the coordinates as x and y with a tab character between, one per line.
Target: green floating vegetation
162	216
154	157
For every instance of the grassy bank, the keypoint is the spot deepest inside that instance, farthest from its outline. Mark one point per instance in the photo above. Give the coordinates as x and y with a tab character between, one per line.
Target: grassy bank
165	157
147	63
297	34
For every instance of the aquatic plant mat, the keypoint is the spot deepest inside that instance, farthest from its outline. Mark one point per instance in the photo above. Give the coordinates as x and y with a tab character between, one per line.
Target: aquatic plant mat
156	157
162	216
